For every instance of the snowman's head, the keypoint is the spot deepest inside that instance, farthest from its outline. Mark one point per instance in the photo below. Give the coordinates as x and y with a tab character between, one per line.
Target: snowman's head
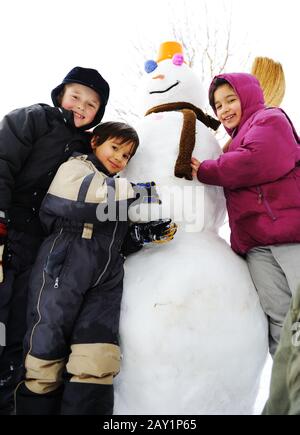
171	80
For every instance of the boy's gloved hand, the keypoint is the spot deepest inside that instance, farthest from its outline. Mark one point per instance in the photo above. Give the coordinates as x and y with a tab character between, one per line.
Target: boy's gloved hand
3	236
159	231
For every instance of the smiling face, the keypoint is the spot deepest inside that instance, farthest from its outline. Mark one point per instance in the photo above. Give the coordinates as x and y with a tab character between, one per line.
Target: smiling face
169	83
228	106
113	155
83	101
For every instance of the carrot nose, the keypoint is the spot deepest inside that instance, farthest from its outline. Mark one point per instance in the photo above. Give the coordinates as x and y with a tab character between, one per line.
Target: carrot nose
160	76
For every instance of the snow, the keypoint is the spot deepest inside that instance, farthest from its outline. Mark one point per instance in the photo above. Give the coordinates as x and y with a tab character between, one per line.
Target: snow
264	384
193	334
264	387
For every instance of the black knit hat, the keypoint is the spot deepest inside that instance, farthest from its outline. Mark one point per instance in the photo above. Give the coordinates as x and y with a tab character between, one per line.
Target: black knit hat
90	78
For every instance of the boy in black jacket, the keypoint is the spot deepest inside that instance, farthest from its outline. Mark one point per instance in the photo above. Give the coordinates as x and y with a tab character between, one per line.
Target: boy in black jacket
34	142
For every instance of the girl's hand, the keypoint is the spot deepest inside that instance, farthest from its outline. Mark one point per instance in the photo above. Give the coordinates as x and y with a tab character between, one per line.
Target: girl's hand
226	146
195	164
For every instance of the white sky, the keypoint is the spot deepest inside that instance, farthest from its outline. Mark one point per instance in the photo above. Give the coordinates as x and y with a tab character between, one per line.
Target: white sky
41	41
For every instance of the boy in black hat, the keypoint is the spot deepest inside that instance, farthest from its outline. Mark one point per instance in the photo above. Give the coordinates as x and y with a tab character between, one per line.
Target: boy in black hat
34	142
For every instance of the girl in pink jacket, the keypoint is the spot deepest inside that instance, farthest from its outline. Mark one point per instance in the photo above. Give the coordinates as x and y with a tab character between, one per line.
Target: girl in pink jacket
260	174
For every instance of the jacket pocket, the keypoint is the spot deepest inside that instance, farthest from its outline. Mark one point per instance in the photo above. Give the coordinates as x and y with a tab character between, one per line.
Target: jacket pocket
262	200
56	262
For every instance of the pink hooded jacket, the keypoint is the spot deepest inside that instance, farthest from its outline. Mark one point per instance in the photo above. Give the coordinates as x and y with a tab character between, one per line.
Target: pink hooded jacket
260	172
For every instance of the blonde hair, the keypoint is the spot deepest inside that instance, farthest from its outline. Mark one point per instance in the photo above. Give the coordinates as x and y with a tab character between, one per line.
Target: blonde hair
270	74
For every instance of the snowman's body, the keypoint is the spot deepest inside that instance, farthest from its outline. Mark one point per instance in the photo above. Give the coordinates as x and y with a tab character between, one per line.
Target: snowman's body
193	335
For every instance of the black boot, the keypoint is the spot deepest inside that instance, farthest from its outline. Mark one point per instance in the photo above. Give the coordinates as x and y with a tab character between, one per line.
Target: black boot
29	403
87	399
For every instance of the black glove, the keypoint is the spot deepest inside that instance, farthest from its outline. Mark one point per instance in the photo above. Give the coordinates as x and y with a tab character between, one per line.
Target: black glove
159	231
129	245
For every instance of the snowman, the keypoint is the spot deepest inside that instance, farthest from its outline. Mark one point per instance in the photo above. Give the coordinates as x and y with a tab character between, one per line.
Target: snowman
193	334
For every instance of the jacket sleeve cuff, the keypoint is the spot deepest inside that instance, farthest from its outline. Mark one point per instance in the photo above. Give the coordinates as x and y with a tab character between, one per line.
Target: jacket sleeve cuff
208	173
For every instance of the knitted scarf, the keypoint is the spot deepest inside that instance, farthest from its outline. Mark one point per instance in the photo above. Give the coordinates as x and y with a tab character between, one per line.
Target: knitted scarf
188	134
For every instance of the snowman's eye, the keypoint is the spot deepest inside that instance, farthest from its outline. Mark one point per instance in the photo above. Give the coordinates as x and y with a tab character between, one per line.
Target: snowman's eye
150	65
178	59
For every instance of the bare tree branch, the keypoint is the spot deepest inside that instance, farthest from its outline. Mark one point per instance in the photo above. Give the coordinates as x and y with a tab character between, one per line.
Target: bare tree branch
207	45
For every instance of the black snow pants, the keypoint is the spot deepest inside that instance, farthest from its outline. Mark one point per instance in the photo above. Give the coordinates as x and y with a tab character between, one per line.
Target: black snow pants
19	255
71	345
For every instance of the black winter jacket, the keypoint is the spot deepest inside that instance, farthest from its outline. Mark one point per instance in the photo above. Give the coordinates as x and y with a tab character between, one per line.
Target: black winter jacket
34	142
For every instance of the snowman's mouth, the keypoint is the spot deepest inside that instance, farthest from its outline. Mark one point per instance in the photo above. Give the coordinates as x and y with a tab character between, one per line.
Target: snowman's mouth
166	90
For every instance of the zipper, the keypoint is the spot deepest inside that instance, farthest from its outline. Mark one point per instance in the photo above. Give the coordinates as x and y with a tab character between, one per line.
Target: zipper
69	146
40	294
260	196
262	200
109	257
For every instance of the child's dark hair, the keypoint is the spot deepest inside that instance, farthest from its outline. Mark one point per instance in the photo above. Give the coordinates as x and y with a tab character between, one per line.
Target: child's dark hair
213	87
119	130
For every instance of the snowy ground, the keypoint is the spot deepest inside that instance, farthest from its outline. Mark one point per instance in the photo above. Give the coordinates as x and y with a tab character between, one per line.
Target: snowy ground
264	387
